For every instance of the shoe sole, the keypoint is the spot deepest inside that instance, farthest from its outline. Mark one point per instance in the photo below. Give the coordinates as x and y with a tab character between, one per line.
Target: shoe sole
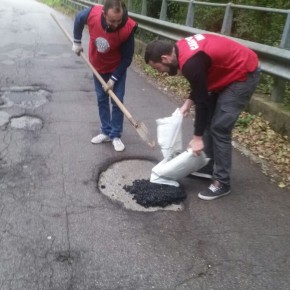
203	197
105	141
119	150
201	175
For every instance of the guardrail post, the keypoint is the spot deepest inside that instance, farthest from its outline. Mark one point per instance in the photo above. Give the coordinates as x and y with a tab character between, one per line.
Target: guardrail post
228	20
129	5
278	90
279	86
285	41
74	5
190	14
163	12
144	7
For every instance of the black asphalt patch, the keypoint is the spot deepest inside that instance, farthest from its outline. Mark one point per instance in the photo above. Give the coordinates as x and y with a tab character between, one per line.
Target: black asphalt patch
127	182
150	194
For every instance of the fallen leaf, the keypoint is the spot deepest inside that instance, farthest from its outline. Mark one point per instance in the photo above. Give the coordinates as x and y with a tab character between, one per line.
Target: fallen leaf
282	185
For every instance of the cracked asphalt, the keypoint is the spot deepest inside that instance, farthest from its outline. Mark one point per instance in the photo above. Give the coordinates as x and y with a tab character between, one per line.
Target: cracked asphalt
58	231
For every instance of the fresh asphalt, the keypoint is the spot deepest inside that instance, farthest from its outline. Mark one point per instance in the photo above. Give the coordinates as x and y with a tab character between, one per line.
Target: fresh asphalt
59	231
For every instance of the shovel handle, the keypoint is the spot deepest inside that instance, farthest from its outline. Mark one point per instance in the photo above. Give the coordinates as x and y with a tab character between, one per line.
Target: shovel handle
100	79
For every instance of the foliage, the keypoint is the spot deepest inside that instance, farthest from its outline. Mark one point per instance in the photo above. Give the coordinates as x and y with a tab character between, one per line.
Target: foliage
136	6
286	100
259	26
154	8
244	121
265	88
144	35
265	85
52	3
257	135
59	5
250	25
176	13
209	18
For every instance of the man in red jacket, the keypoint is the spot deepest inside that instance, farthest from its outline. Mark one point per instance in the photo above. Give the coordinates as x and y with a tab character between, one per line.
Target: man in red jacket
223	75
111	50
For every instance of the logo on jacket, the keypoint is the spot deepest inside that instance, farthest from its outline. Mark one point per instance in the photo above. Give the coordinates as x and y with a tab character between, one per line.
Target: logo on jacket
192	43
102	45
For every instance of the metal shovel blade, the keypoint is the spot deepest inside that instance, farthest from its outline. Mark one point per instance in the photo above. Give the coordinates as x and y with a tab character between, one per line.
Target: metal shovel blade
144	134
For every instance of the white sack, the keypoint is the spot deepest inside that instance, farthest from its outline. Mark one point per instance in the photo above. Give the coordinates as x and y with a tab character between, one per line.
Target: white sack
167	172
169	134
155	178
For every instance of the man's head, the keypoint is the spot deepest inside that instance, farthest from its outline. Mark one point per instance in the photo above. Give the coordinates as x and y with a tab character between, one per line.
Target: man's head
115	13
161	56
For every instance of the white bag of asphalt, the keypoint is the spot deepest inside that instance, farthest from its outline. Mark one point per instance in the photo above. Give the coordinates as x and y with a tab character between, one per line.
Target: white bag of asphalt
169	171
169	134
175	164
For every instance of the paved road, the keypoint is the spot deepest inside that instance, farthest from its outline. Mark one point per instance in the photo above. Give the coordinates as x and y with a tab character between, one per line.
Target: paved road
58	231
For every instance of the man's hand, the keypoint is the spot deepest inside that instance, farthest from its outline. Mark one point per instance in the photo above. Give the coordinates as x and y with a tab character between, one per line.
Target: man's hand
110	85
77	48
184	109
196	145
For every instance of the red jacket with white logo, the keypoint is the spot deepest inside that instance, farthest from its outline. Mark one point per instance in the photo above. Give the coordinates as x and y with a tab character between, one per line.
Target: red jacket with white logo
230	61
104	47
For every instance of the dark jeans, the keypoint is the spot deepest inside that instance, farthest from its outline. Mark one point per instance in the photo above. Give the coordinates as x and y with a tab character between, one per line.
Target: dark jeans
225	108
111	119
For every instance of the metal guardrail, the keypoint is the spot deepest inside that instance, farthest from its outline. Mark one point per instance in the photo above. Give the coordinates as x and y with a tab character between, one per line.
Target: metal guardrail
228	15
274	61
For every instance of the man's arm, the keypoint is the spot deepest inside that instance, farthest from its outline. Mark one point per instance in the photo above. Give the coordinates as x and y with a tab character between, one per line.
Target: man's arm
79	24
195	71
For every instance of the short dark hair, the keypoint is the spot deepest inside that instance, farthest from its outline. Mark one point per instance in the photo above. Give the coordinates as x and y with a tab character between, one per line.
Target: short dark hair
116	5
155	49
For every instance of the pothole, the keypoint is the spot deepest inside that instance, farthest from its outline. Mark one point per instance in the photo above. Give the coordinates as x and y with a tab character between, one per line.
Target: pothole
118	180
4	118
24	97
26	123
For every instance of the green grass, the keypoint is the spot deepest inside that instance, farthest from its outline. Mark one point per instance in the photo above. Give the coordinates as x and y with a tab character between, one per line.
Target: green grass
58	5
52	3
244	120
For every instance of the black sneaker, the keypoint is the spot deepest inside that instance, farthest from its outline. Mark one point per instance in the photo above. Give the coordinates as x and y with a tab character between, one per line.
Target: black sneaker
204	172
215	190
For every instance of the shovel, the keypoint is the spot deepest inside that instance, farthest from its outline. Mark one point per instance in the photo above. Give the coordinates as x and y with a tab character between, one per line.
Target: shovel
139	126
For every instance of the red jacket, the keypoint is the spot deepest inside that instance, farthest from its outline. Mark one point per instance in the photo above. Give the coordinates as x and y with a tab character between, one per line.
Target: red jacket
104	47
230	61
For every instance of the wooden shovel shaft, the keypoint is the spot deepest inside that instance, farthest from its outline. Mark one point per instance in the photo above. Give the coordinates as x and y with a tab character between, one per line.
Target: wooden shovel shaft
110	92
101	80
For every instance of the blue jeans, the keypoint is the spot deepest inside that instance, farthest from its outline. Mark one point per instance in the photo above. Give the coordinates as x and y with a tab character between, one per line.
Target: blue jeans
225	108
111	120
